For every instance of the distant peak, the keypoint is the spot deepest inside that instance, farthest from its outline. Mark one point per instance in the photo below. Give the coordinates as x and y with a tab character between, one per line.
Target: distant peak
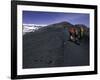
64	22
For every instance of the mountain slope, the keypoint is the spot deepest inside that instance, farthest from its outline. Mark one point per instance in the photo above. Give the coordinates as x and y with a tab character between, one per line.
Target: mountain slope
49	47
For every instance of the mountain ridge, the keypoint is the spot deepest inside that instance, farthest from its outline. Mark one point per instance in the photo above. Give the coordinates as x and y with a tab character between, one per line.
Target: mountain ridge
62	25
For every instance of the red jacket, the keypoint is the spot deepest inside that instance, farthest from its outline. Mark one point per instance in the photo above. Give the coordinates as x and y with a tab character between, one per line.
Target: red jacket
72	30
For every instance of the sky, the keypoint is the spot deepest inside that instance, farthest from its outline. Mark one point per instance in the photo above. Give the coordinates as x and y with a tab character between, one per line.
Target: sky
46	18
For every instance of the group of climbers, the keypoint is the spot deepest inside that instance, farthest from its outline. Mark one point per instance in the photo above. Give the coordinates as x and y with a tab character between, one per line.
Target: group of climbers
76	34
